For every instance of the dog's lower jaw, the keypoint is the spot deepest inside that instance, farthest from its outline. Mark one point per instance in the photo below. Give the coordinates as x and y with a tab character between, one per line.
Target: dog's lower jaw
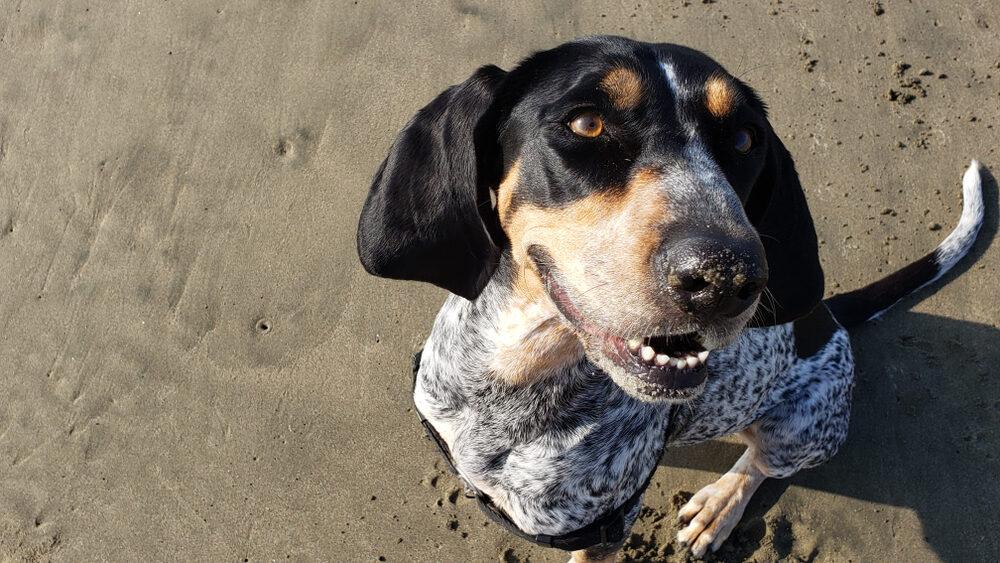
644	391
532	339
631	383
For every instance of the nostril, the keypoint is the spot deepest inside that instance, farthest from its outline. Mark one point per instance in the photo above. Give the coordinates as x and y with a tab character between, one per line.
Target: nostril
748	291
693	284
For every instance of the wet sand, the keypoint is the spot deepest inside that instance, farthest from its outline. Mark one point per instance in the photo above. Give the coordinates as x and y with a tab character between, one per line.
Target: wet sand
196	367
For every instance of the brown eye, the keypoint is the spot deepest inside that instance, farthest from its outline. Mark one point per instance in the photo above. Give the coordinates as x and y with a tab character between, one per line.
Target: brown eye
743	141
587	124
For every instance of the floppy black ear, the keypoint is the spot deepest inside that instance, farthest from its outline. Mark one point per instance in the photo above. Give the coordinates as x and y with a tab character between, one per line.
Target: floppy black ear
428	216
777	207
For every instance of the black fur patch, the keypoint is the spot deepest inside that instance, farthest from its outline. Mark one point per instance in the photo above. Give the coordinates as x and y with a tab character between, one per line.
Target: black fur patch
814	331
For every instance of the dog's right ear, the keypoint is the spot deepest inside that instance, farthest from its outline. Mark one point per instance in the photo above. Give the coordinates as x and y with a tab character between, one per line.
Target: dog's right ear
778	209
428	216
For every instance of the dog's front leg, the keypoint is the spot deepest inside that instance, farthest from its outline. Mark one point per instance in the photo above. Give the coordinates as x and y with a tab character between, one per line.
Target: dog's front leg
714	511
597	554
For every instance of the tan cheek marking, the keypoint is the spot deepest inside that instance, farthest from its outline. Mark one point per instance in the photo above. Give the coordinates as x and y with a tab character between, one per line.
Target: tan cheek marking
604	240
721	96
650	208
624	87
535	349
532	341
617	231
505	191
610	236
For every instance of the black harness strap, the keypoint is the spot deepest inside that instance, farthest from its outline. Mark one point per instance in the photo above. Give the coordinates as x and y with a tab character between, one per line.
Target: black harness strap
608	529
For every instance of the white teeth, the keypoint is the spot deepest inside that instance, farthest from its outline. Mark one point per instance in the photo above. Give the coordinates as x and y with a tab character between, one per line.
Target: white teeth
648	353
651	355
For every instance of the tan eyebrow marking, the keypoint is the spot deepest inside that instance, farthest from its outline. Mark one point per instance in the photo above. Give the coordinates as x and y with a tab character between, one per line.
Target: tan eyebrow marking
721	96
624	87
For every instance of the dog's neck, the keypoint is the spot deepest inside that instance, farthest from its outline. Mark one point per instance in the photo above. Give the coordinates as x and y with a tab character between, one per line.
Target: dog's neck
530	340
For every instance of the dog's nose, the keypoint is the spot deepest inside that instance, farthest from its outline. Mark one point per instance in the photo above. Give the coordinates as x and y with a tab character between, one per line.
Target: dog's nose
713	277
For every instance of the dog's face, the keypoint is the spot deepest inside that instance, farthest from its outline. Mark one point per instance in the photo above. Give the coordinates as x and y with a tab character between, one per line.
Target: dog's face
639	188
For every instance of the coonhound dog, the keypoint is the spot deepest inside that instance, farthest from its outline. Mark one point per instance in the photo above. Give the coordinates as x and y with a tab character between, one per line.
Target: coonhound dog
632	266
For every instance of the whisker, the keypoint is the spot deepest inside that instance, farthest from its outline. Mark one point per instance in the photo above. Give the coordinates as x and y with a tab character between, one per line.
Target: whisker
753	68
767	305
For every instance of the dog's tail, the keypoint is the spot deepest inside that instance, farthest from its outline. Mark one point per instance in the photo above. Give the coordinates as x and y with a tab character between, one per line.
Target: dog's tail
858	306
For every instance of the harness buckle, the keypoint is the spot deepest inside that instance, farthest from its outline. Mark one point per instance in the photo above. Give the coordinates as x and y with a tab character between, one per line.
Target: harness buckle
468	490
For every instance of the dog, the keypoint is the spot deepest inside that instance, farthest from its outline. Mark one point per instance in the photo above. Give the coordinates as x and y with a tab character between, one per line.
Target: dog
633	266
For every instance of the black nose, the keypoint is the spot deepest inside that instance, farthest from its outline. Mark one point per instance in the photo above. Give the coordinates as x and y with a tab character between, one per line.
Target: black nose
713	277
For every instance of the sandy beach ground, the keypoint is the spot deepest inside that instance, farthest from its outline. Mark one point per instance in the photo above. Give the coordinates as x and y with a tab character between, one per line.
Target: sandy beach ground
194	365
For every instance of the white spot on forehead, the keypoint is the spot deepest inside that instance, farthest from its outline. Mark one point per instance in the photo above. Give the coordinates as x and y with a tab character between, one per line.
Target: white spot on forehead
677	86
696	154
671	75
678	91
699	160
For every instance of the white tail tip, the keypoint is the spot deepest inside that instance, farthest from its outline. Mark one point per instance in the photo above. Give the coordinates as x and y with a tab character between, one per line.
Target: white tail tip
959	242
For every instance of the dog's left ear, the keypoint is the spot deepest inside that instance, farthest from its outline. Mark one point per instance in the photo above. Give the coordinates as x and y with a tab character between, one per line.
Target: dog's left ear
428	216
777	208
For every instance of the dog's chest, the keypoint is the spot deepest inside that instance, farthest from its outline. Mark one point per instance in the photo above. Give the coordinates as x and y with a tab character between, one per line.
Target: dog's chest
746	379
552	455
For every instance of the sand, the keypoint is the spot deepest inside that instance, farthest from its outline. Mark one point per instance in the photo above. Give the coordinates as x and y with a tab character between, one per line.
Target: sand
195	366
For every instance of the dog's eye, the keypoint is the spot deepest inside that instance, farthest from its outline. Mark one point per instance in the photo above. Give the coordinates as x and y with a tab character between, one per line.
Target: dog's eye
743	140
587	124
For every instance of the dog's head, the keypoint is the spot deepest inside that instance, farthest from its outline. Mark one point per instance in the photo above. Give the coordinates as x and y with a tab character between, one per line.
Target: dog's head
639	187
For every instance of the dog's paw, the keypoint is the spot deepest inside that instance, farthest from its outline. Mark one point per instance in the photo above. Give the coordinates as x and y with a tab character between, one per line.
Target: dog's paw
714	511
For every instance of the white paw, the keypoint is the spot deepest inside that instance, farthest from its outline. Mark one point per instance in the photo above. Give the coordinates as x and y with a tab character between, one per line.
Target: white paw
714	511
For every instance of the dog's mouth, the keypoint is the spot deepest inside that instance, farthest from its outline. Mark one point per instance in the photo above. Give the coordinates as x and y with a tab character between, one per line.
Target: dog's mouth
671	367
657	367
